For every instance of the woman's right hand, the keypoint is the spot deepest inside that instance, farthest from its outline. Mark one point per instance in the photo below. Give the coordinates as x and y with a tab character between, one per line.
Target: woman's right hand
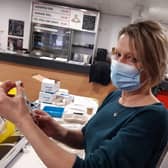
46	123
73	138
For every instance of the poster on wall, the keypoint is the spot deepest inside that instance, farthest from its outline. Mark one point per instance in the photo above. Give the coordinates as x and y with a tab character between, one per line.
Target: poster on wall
76	19
15	43
89	22
16	28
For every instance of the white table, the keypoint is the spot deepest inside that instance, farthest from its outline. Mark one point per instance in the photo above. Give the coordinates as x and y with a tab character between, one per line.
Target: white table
26	159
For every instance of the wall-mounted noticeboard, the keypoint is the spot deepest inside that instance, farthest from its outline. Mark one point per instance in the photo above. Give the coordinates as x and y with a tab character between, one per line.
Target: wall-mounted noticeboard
63	16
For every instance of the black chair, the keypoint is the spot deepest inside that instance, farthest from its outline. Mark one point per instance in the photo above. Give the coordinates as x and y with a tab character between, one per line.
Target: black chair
100	72
101	55
100	69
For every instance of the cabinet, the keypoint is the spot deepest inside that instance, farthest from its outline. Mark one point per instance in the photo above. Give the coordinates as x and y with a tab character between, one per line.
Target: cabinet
53	42
82	49
64	33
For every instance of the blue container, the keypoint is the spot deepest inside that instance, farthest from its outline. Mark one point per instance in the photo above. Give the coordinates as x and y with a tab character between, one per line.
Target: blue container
54	111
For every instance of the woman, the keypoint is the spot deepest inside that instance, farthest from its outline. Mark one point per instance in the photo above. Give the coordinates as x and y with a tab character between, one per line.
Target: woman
130	128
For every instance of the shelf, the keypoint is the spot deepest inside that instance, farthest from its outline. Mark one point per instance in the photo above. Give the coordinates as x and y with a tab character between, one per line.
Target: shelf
89	46
33	60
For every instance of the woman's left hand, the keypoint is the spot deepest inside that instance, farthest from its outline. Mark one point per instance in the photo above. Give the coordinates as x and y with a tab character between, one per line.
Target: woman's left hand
12	108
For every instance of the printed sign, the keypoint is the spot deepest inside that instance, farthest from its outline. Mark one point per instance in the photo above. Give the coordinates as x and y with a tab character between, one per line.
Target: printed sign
76	19
63	16
51	15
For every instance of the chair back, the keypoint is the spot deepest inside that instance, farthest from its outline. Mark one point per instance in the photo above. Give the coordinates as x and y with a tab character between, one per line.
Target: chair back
163	161
162	95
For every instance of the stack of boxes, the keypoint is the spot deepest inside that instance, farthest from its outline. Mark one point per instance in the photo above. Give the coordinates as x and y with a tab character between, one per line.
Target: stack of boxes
48	90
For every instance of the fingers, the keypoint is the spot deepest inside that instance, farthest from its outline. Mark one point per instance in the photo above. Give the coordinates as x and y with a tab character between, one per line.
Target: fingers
40	112
7	85
41	115
12	108
19	90
2	92
34	118
19	83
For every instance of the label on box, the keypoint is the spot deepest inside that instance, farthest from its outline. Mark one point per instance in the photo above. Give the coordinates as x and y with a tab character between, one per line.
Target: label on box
46	97
50	86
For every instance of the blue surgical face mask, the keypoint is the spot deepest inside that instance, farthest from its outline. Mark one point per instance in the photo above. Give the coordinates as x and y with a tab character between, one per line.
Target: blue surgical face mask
124	76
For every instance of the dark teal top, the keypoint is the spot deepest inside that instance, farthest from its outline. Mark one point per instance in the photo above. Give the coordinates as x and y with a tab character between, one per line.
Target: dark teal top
124	137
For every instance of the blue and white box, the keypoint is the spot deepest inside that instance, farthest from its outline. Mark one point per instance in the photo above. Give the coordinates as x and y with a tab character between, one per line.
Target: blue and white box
50	86
45	97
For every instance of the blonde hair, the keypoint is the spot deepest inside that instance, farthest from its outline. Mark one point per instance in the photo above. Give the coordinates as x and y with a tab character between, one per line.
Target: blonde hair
151	43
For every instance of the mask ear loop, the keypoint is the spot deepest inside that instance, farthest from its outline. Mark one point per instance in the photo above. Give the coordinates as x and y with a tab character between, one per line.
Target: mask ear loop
145	81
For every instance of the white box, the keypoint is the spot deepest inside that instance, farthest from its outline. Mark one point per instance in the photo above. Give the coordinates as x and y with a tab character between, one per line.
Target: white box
50	86
46	97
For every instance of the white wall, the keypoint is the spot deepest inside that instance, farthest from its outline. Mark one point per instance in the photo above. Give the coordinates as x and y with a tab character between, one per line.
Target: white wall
21	10
17	10
108	30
